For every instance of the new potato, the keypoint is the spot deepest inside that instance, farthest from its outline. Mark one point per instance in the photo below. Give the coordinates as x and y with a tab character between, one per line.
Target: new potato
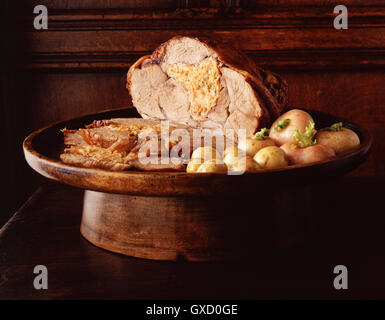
193	165
252	145
246	164
296	120
230	155
340	141
211	166
205	153
271	157
307	155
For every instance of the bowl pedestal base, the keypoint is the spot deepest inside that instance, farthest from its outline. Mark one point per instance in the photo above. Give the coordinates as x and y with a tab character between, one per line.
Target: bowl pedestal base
196	228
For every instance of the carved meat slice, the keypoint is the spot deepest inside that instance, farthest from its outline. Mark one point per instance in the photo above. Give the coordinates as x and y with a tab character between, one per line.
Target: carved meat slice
117	144
95	157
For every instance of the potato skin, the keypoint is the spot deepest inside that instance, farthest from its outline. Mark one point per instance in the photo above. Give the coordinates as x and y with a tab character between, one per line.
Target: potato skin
205	153
245	164
193	165
307	155
271	157
211	166
340	141
230	156
299	120
251	145
231	150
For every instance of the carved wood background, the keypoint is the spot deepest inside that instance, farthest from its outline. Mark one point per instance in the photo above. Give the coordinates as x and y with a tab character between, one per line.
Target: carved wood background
78	65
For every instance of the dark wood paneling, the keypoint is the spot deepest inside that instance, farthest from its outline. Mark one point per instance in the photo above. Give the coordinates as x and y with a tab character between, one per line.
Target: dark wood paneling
54	97
247	39
348	3
100	4
286	37
122	4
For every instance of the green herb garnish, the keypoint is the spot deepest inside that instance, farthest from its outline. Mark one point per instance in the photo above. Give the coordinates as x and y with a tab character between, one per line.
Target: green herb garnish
334	127
261	134
306	139
282	124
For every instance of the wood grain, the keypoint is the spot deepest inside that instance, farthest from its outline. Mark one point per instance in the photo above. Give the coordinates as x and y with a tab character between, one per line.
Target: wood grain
193	229
249	39
112	39
55	97
123	4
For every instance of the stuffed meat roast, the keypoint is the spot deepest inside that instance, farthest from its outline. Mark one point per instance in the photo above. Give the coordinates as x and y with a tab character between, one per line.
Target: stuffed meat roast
203	84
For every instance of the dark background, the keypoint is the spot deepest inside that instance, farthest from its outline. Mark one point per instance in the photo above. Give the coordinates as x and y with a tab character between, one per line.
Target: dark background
78	65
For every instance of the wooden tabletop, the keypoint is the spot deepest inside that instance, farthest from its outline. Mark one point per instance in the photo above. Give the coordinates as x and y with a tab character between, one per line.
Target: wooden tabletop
347	228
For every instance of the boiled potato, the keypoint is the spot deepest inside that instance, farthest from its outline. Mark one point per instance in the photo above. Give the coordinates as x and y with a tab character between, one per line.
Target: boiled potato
230	155
212	166
284	127
193	165
271	157
297	155
340	141
245	164
205	153
231	151
252	145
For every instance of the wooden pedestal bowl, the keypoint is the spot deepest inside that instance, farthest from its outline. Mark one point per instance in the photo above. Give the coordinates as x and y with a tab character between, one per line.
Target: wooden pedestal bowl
197	217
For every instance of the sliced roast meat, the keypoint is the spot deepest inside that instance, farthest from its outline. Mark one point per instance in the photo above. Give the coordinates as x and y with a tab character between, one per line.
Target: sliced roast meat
155	164
117	144
95	157
115	134
99	160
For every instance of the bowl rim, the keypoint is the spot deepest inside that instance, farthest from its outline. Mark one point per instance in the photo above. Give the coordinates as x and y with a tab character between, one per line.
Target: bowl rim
40	162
